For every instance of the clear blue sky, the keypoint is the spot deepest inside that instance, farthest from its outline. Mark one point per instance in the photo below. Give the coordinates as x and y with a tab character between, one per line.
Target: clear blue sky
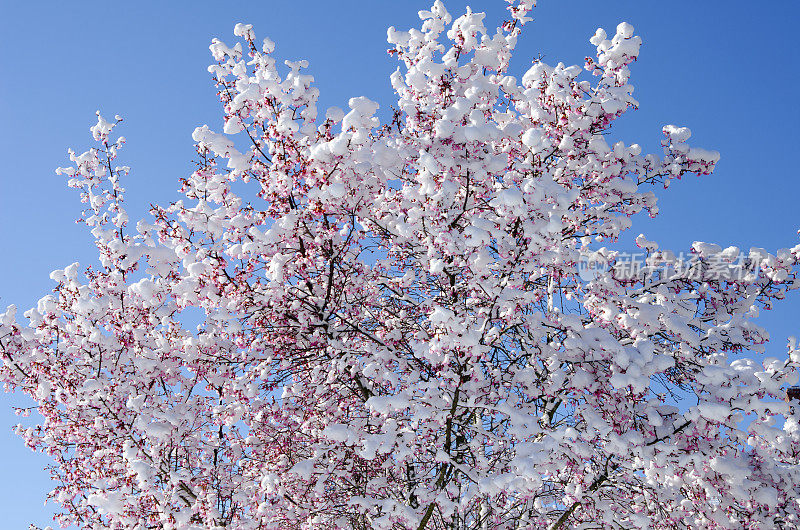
728	70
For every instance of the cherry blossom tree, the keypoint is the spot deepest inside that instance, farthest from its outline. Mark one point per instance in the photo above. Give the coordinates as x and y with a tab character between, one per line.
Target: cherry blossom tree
349	324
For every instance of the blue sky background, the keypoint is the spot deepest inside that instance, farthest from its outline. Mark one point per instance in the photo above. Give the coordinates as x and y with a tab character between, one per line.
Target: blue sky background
728	70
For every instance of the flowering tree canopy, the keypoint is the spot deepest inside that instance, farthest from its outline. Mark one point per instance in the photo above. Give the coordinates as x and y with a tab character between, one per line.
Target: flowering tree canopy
399	326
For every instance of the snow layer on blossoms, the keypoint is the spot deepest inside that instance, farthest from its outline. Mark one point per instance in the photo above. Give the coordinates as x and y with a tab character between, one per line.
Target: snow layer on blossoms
353	324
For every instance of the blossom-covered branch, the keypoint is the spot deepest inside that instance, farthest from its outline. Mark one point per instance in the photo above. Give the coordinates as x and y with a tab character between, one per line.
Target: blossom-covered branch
394	328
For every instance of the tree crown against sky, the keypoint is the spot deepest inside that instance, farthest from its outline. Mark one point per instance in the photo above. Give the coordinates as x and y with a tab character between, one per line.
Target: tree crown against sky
410	324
